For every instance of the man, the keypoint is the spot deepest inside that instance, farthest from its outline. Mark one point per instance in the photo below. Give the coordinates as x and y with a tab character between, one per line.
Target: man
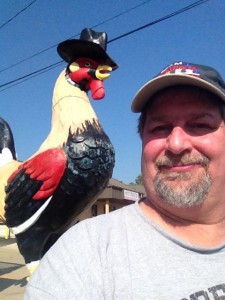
170	245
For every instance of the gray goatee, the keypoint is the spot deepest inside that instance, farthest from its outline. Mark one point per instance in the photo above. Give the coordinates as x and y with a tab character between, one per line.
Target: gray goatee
182	195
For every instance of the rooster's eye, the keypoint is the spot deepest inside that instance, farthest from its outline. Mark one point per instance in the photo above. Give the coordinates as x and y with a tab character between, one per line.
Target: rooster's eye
87	64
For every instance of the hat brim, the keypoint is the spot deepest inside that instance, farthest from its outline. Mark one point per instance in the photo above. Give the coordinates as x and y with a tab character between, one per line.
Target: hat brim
153	86
70	50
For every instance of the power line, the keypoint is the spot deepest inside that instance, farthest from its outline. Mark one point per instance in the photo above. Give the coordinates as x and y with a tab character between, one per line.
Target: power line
161	19
32	75
25	59
45	69
17	14
53	46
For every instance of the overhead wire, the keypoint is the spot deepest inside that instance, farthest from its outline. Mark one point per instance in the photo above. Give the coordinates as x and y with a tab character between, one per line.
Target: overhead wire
17	14
45	69
32	75
53	46
161	19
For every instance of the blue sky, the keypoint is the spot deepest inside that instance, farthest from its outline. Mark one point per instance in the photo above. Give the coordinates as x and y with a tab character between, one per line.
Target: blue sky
194	36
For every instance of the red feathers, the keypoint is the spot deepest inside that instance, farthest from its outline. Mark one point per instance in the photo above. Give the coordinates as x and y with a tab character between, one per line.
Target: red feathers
49	167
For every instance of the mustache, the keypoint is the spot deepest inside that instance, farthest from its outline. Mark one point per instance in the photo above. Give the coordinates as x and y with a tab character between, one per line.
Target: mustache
185	159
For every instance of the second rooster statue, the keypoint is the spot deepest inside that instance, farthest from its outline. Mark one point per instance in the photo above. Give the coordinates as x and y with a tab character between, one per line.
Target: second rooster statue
75	162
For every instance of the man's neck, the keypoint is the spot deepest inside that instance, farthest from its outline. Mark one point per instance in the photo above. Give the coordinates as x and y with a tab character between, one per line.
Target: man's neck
197	232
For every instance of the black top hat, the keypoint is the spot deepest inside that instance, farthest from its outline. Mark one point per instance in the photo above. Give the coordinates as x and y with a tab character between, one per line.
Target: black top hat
91	44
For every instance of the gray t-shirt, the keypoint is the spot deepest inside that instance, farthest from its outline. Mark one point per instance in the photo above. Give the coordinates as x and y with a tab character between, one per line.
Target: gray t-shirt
124	255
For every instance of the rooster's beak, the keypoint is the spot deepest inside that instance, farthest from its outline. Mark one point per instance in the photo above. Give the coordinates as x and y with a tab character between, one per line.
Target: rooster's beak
102	72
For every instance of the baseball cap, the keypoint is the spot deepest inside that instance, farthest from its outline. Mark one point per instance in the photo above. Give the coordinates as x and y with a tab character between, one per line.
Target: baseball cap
179	73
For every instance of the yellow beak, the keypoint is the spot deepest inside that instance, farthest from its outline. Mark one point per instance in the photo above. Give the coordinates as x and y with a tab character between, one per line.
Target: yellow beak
102	72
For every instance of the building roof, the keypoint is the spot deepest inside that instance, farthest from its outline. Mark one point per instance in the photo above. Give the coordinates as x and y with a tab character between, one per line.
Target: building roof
131	187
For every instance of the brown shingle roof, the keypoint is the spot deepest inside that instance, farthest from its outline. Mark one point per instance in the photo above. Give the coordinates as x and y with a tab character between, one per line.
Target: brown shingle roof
130	187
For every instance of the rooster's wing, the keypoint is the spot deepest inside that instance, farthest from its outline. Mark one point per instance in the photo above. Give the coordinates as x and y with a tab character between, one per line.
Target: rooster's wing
32	184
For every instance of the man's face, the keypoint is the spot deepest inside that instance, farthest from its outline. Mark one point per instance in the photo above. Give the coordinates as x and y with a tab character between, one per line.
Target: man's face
183	154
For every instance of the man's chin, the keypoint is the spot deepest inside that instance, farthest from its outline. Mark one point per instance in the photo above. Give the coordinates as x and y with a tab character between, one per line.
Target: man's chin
183	189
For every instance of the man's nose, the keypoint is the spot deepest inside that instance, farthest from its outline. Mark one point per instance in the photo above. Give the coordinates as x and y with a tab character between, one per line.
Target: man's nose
178	141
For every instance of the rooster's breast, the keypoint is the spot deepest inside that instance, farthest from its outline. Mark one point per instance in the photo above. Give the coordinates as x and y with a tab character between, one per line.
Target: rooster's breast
90	162
91	158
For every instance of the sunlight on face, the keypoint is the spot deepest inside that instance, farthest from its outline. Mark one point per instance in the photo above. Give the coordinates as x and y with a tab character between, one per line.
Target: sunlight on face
183	146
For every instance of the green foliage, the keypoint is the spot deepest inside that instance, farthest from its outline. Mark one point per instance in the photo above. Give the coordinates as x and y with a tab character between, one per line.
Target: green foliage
139	180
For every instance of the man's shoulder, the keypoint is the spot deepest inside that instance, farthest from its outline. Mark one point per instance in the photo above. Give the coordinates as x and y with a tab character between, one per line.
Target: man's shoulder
105	223
112	217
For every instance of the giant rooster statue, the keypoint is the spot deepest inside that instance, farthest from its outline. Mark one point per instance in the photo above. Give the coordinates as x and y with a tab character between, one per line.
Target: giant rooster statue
73	165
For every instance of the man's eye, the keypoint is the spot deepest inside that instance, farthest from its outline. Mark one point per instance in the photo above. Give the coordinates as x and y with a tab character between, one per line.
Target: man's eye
201	128
160	129
200	125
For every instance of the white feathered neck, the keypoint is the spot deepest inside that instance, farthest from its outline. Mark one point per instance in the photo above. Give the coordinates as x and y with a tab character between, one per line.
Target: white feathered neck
70	109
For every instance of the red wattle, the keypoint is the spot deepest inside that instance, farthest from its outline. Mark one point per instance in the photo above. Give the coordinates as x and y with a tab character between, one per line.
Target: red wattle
97	89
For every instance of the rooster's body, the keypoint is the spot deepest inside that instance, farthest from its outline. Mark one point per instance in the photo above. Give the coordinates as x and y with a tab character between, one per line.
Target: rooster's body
73	165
